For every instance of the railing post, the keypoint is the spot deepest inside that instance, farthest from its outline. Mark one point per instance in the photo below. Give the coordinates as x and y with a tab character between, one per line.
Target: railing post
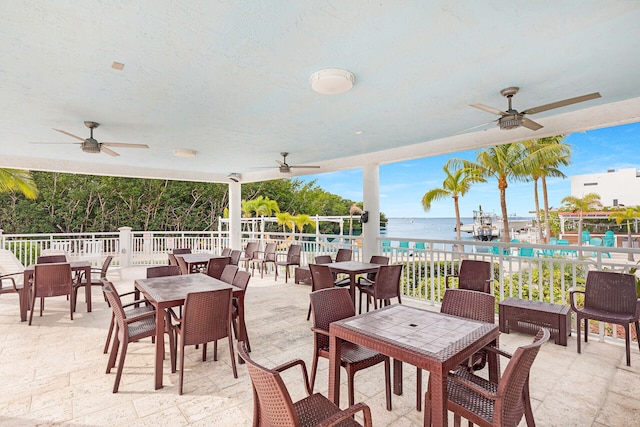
125	246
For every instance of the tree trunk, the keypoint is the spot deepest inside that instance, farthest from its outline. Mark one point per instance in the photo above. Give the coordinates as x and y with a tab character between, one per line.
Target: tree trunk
502	185
545	196
457	209
629	255
537	202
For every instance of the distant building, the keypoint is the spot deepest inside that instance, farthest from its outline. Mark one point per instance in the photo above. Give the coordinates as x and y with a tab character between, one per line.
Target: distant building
616	188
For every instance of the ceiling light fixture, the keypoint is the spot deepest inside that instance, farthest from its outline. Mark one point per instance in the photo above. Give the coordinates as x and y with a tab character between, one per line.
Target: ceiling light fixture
117	65
235	177
332	81
184	152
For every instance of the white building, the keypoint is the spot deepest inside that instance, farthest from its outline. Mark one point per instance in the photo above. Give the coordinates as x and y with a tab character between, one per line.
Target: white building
616	188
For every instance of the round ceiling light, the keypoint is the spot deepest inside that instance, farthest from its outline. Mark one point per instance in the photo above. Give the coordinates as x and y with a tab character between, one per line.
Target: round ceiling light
184	152
332	81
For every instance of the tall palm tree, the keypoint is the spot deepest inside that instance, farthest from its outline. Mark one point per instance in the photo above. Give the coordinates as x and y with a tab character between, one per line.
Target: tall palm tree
627	215
455	185
301	220
507	162
580	205
353	210
18	180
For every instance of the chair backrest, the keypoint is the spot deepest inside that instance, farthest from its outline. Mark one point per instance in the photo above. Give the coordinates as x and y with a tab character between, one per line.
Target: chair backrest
10	264
184	268
250	249
553	241
329	305
229	273
241	280
586	236
420	245
475	275
235	257
181	251
163	271
172	259
403	244
387	284
226	252
116	306
273	403
293	255
206	316
611	292
508	411
609	239
270	252
323	259
563	242
469	304
377	259
344	255
53	279
105	266
595	241
48	259
216	266
524	251
321	277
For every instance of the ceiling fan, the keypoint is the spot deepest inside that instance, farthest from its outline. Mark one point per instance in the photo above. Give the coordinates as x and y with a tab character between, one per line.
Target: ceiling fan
512	119
91	145
285	168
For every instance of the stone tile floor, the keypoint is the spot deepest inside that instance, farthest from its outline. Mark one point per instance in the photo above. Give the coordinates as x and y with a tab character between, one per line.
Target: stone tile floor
53	372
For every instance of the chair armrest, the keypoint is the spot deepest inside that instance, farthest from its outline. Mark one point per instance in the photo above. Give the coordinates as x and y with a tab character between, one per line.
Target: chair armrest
320	331
494	349
446	279
141	316
174	315
338	417
138	301
364	279
572	298
303	367
8	277
460	377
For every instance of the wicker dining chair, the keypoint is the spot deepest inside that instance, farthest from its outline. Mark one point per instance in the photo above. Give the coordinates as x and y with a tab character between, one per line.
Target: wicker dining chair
181	251
229	273
226	252
268	256
486	403
273	406
235	257
97	274
49	259
184	268
249	254
293	258
331	305
385	287
206	318
216	266
474	275
51	280
472	305
608	297
323	259
341	256
321	278
172	259
240	280
369	280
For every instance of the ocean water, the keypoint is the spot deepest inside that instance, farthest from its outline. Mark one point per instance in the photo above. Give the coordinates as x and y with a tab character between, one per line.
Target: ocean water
425	228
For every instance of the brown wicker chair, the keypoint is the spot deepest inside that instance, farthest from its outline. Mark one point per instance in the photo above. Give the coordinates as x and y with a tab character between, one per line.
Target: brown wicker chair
8	285
293	258
330	305
226	252
489	404
240	280
343	255
472	305
172	259
51	280
97	274
163	271
608	297
235	257
249	254
272	404
49	259
368	280
181	251
321	278
206	317
473	275
268	256
184	268
229	273
216	266
385	287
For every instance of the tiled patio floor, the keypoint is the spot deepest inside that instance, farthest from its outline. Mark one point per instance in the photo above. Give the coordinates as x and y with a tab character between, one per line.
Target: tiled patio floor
53	372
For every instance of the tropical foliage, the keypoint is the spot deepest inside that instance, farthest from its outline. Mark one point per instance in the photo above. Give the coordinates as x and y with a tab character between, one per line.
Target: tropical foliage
580	205
627	216
16	180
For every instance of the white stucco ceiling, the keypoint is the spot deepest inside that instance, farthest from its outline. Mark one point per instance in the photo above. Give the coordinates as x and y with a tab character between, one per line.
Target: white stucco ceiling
229	79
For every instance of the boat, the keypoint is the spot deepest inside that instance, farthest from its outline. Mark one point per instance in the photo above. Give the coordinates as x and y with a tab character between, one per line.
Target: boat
487	226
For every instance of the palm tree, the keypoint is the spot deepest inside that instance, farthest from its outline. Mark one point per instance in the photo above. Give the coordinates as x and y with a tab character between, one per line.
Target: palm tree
580	205
18	180
301	220
285	220
507	162
455	185
627	215
353	210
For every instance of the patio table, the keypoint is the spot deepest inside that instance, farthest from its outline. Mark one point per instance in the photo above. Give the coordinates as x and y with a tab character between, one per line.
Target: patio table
429	340
198	260
84	266
171	291
353	268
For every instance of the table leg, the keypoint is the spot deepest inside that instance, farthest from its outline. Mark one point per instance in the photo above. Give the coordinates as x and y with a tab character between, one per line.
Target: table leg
493	360
87	287
352	287
397	377
438	384
335	345
242	326
23	296
159	345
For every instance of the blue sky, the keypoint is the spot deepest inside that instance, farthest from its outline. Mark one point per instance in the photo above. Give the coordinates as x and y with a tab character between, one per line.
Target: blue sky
403	184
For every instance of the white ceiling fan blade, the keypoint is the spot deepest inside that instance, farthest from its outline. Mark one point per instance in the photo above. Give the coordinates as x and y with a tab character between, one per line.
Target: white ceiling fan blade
489	109
124	144
530	124
475	127
108	151
282	164
562	103
304	167
69	134
40	142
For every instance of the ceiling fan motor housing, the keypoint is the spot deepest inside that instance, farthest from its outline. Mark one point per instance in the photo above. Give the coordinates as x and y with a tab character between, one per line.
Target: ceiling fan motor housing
90	145
511	121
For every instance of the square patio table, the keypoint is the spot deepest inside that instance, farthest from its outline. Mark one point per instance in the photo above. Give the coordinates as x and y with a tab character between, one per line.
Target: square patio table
432	341
198	260
171	291
353	268
84	266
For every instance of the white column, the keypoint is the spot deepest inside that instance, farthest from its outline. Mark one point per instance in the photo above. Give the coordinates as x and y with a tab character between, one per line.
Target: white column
125	246
371	199
235	214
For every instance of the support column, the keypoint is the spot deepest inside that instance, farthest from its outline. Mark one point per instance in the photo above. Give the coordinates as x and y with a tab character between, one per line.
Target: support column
125	246
235	215
371	201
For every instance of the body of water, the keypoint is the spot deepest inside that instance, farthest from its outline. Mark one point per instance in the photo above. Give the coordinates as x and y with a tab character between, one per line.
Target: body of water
425	228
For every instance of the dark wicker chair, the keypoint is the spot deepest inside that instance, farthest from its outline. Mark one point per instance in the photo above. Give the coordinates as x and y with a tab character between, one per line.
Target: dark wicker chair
472	305
131	325
473	275
97	274
488	404
249	254
608	297
181	251
385	287
323	259
268	256
240	280
343	255
51	280
184	268
216	266
293	258
163	271
49	259
368	280
321	278
226	252
272	404
235	257
229	273
9	285
172	259
206	317
330	305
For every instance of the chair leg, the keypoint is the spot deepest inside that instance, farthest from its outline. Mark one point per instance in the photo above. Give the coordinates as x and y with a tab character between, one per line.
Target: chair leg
638	333
627	343
114	351
309	313
314	369
215	350
33	303
108	340
181	375
419	390
427	406
350	387
579	338
233	356
123	354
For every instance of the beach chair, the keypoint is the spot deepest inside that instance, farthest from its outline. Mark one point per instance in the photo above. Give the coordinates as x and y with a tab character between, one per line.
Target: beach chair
565	242
386	246
403	247
597	241
586	237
